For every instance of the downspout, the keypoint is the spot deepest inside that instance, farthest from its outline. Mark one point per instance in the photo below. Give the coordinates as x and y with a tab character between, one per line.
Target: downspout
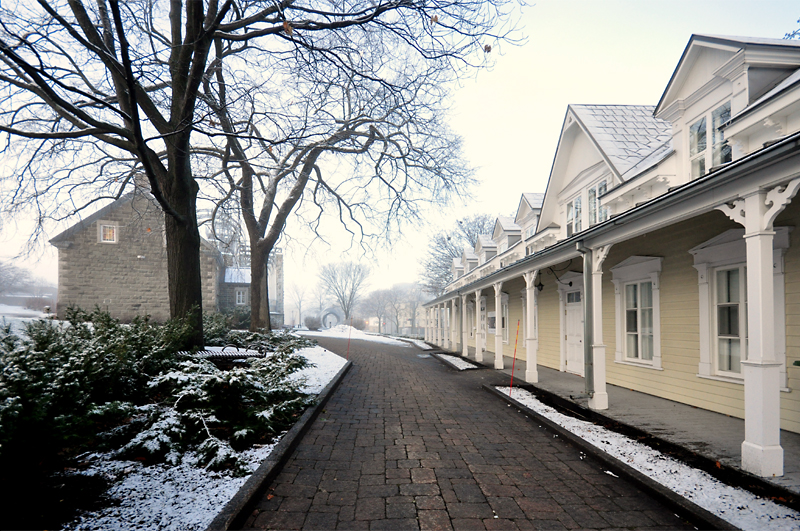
588	318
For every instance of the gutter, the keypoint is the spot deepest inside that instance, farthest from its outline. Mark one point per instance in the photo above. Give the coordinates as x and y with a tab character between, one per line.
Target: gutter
785	147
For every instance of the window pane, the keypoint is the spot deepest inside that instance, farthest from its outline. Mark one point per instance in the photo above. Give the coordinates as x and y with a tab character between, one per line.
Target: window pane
592	206
646	294
698	167
647	347
631	299
728	320
719	117
108	233
728	286
631	324
722	154
603	211
632	350
647	322
570	216
578	220
697	137
729	355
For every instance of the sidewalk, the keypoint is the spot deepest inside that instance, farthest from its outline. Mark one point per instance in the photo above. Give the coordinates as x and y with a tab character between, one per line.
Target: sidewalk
402	444
714	436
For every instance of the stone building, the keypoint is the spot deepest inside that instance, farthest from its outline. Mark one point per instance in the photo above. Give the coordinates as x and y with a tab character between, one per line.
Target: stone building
116	259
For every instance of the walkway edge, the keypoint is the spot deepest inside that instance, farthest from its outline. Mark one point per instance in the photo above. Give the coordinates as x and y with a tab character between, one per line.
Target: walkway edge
235	512
675	501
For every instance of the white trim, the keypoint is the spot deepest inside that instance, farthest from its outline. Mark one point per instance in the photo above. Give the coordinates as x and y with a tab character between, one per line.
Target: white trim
727	249
563	287
637	269
101	225
643	365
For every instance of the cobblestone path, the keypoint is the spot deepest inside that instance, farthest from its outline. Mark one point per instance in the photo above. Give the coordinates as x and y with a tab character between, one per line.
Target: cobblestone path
408	443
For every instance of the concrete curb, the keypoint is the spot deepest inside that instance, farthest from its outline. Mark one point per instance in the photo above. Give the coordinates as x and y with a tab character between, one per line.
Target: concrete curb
236	511
685	508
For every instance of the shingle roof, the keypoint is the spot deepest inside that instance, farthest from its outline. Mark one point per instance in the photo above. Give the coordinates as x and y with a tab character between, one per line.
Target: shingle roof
486	241
626	134
534	200
507	224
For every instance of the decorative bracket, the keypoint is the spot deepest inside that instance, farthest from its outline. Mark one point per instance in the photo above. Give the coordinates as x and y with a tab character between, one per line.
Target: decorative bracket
734	210
498	286
599	256
530	278
778	198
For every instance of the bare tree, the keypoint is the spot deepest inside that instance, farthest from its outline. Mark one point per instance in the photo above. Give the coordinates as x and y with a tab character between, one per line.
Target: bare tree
345	282
12	277
319	295
375	305
93	93
414	299
446	245
396	299
298	294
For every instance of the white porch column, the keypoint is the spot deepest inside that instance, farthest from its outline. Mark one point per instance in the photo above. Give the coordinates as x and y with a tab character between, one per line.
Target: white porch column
445	327
498	325
531	339
762	453
600	398
478	328
464	331
439	325
454	322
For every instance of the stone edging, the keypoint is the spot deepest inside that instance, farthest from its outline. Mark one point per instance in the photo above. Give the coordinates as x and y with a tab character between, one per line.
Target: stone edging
675	501
236	511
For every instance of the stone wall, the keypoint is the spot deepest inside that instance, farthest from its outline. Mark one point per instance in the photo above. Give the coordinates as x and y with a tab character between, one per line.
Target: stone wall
128	277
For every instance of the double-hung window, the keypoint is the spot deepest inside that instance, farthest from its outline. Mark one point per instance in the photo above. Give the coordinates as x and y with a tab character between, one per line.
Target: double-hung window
637	301
731	319
504	323
574	219
597	213
241	296
639	321
700	156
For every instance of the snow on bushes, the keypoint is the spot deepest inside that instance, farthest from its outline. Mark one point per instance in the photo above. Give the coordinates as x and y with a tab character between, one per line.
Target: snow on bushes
95	384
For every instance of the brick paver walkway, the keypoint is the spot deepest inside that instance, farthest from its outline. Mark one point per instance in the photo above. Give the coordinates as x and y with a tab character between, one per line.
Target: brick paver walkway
407	443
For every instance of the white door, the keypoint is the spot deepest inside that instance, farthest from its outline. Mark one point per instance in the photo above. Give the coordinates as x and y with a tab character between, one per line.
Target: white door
574	332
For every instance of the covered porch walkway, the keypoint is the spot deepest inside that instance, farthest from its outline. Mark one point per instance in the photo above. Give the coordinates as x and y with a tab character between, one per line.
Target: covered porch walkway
711	435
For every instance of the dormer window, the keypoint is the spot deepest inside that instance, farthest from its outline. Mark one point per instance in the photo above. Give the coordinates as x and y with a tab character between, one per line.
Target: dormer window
597	213
720	152
574	223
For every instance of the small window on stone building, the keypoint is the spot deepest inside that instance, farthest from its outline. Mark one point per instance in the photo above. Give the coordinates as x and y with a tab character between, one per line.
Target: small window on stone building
241	296
107	233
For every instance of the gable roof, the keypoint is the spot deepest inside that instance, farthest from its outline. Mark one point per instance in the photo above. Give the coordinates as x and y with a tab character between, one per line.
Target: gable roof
534	200
86	222
485	242
624	134
505	224
731	44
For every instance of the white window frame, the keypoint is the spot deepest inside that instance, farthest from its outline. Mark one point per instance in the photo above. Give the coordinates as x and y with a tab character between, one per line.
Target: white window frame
639	308
471	318
742	318
596	213
504	316
714	141
635	270
240	296
723	252
489	322
101	225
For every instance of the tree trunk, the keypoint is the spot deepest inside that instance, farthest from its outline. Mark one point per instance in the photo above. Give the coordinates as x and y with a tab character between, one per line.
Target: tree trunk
259	291
183	272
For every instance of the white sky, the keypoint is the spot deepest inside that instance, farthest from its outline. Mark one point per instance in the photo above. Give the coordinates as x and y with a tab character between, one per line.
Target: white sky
578	51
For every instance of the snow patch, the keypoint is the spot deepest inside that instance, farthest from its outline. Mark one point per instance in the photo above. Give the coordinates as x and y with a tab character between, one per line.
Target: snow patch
184	497
460	363
737	506
344	331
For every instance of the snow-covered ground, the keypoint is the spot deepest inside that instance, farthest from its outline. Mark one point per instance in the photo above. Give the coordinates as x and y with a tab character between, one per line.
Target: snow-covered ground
17	316
420	344
183	497
345	331
460	363
737	506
